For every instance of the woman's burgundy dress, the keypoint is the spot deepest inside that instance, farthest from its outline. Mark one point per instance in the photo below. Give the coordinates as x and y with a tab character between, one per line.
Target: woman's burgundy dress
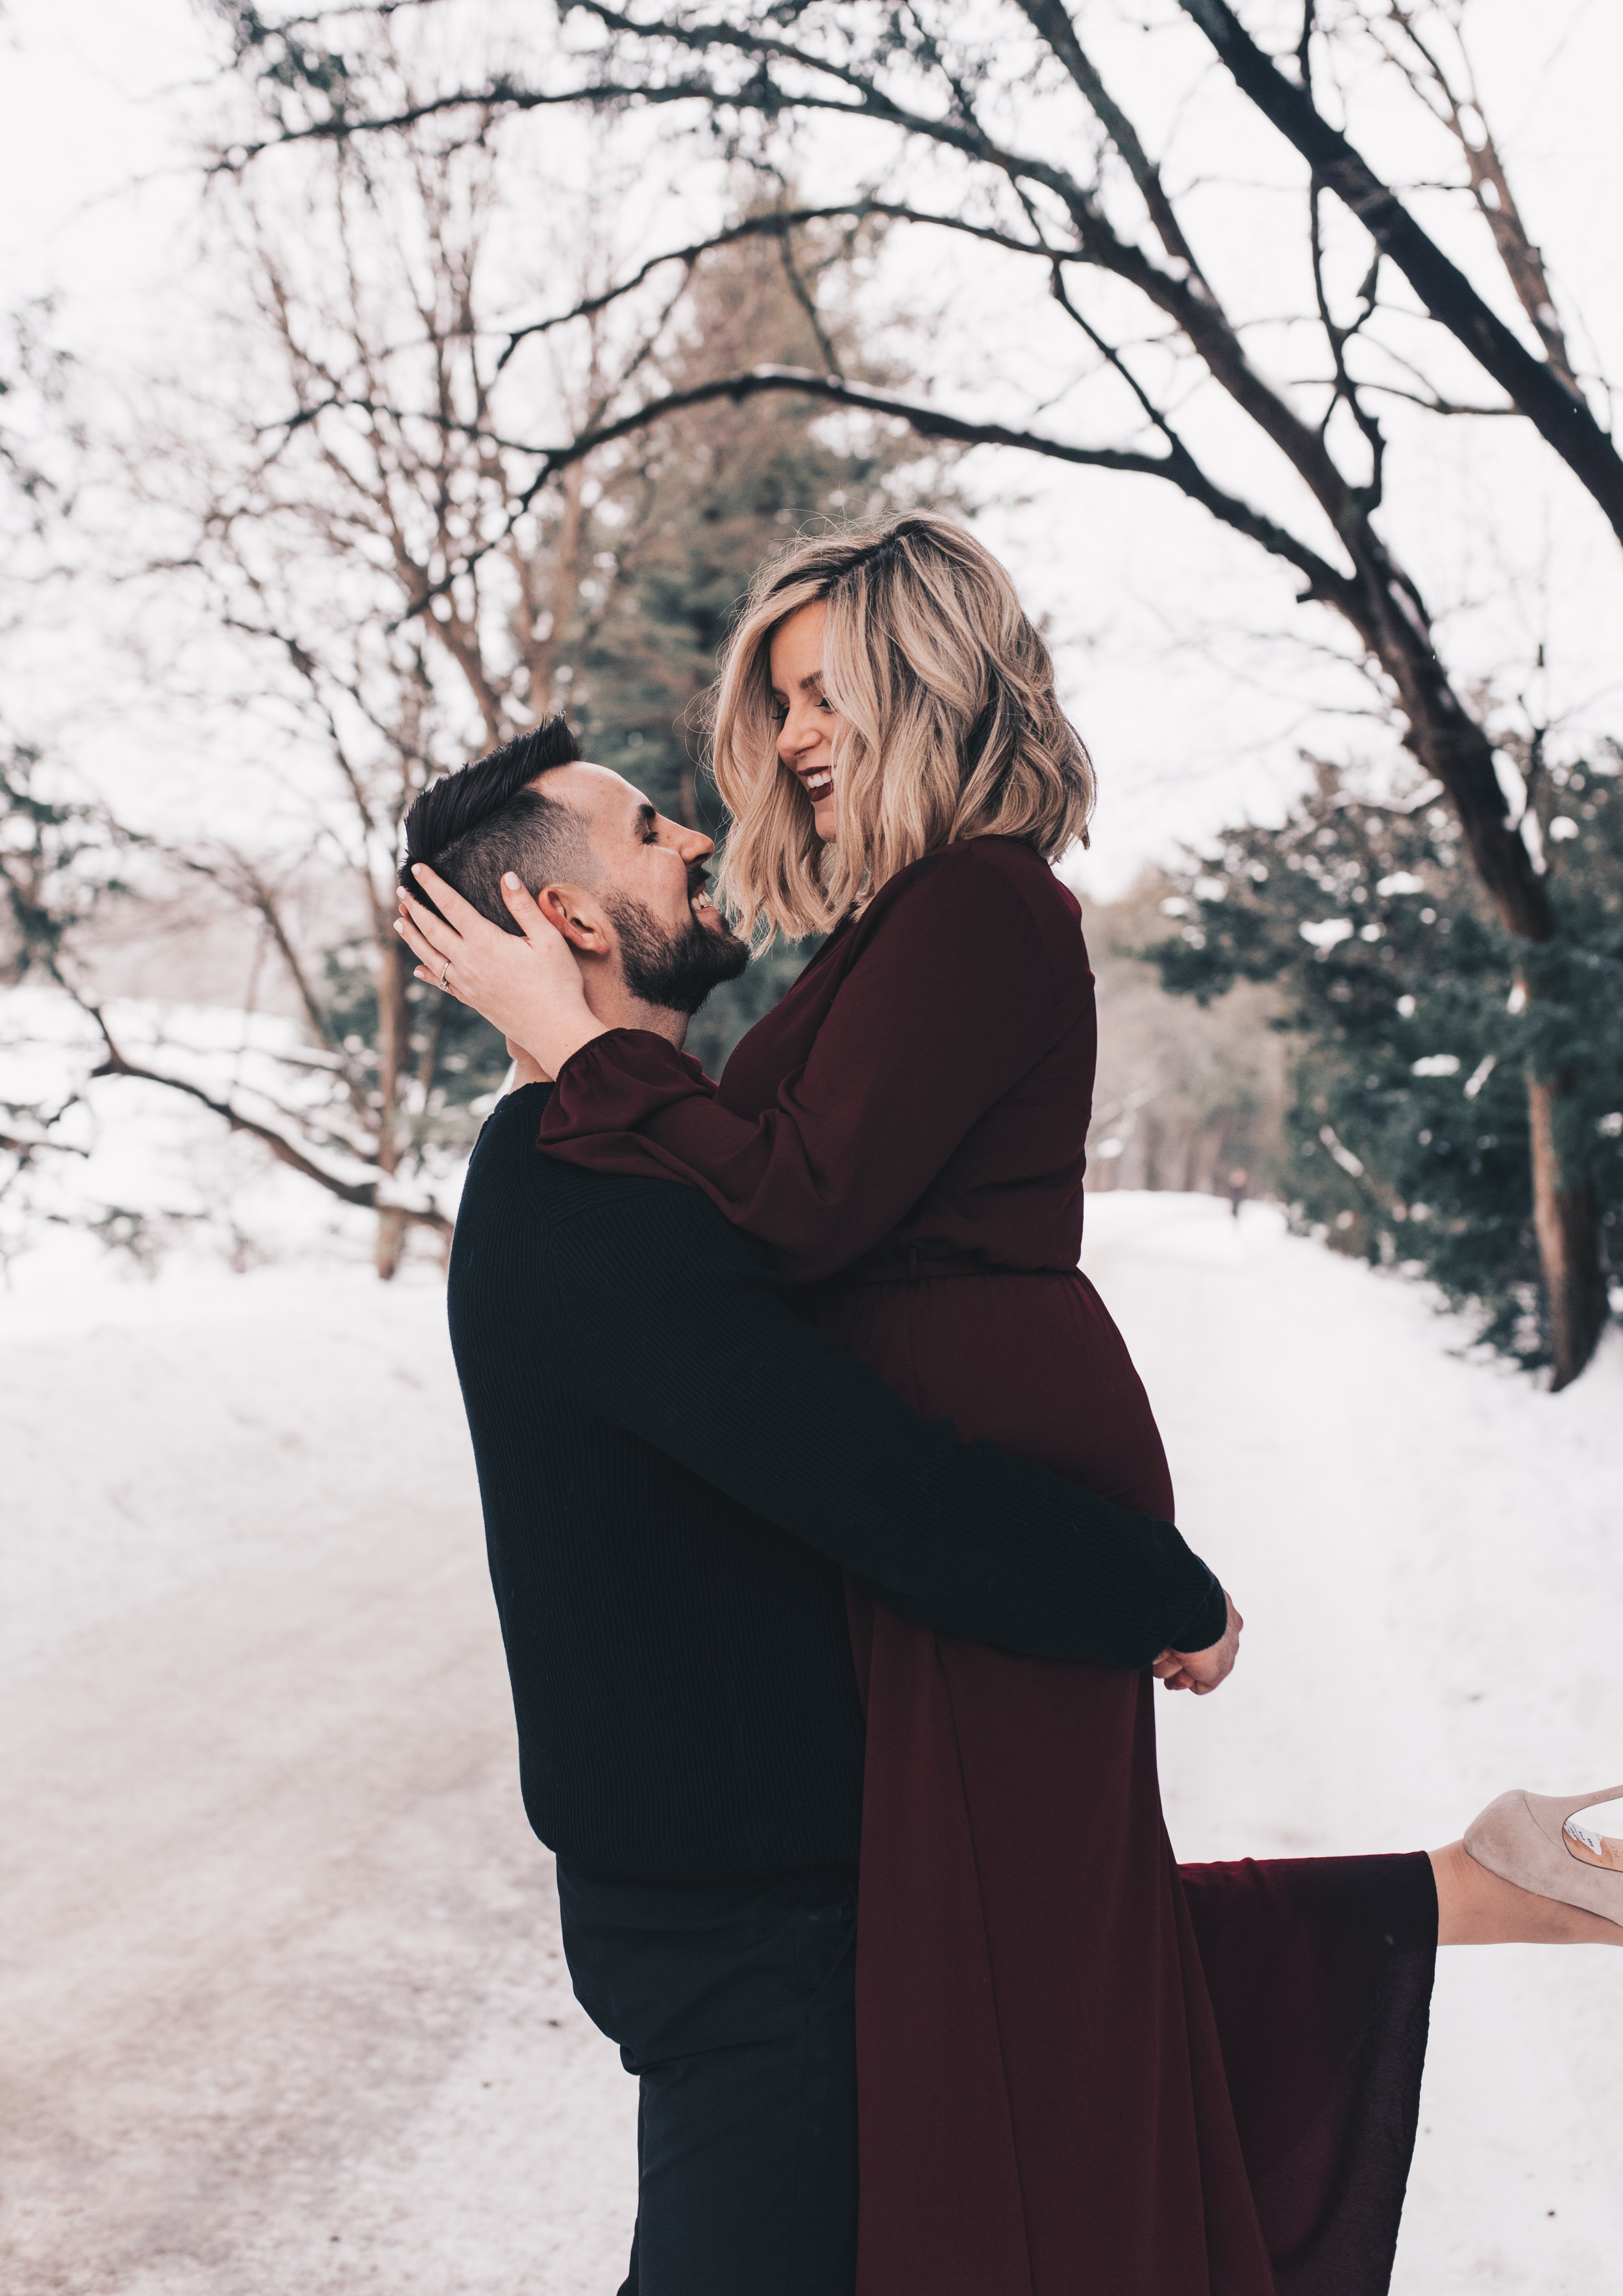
1078	2068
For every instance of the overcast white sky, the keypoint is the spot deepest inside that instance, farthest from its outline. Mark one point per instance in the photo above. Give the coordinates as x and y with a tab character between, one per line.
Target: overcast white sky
1169	634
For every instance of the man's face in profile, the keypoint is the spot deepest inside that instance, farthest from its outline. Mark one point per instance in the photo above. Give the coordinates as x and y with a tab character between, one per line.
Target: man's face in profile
651	872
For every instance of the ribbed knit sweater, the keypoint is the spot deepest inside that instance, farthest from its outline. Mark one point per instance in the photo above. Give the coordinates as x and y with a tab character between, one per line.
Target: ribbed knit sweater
673	1468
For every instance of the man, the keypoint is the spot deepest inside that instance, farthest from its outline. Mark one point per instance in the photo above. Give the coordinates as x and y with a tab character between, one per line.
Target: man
675	1469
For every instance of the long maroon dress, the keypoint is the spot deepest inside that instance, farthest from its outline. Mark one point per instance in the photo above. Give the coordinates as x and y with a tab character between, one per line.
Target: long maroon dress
1078	2069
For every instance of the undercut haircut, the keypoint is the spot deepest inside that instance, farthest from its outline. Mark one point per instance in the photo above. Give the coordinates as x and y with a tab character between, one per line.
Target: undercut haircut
486	818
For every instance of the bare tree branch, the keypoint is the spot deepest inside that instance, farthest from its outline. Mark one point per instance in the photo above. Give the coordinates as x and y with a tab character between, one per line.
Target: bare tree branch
774	224
366	1195
1490	184
808	302
1178	467
1053	22
1544	396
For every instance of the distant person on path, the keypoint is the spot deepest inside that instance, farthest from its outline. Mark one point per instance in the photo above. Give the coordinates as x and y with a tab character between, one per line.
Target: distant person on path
673	1467
1077	2063
1238	1183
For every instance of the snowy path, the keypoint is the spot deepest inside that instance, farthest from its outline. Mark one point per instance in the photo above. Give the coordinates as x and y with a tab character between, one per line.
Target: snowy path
283	2001
285	2007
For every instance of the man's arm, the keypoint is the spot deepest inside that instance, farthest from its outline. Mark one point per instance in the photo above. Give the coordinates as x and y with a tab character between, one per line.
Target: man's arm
674	1325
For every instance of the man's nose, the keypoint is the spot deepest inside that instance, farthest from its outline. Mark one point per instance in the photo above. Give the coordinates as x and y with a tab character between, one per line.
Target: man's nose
693	845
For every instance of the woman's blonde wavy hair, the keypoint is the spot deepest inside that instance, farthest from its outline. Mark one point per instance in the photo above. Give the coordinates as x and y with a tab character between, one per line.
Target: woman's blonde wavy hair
951	727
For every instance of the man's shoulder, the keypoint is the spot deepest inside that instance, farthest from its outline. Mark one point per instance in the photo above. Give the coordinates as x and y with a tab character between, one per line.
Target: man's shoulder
508	1160
575	1211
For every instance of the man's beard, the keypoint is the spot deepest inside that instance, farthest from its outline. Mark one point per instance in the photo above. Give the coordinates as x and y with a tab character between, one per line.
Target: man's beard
674	972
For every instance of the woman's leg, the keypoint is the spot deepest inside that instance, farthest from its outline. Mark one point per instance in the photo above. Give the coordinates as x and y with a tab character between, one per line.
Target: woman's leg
1475	1907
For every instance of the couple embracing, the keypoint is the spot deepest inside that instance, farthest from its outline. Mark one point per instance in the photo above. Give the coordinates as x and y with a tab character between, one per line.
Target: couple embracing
833	1537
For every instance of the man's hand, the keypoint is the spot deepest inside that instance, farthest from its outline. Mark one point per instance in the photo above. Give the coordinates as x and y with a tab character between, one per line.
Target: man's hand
1202	1670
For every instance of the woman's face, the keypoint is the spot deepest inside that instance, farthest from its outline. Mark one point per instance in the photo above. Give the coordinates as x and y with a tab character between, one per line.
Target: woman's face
806	723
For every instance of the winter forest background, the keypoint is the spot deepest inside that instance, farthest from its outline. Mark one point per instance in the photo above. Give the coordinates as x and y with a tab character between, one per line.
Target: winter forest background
304	506
375	379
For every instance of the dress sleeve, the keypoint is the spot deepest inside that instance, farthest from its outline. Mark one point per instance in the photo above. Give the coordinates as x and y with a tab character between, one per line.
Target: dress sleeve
951	1000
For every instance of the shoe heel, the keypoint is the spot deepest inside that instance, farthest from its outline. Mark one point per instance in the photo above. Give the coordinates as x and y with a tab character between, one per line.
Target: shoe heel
1551	1811
1519	1837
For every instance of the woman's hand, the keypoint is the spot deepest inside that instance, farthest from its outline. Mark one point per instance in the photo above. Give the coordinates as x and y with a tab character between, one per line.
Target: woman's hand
1203	1671
530	987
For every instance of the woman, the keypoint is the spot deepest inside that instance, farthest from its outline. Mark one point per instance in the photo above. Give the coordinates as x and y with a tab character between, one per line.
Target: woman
1077	2066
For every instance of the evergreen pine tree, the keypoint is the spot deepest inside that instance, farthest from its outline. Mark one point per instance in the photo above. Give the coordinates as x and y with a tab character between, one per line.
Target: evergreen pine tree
1417	1019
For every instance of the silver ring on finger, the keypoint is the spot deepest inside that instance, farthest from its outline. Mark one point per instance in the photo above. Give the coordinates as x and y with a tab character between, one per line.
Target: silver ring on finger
445	976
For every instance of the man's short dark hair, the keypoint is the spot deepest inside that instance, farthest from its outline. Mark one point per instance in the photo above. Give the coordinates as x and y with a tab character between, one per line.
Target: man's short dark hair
486	818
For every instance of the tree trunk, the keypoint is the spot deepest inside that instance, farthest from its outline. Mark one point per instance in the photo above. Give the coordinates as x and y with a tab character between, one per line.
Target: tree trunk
1450	744
391	1243
563	579
392	1043
1567	1221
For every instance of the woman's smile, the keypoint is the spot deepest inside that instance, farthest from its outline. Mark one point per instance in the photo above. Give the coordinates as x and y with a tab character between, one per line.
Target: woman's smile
806	718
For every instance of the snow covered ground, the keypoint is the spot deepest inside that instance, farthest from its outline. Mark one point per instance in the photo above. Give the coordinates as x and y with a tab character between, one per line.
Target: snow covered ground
284	2004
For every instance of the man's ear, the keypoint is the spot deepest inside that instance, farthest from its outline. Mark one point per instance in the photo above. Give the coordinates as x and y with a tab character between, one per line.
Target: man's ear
578	917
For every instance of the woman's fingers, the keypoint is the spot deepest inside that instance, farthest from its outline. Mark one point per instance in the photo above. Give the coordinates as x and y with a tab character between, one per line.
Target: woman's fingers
551	944
460	915
528	983
542	934
457	933
525	982
523	906
420	947
459	923
433	979
434	929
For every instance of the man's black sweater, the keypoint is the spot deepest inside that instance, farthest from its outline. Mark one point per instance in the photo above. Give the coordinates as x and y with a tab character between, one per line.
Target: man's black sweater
673	1467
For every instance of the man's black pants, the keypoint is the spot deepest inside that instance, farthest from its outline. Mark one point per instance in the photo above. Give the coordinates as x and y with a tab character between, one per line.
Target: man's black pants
734	2005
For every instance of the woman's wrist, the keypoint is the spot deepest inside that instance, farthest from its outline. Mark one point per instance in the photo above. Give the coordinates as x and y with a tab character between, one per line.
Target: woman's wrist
565	1038
551	1027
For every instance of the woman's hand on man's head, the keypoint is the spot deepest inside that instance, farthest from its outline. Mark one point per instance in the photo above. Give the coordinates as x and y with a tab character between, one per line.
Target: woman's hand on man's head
527	984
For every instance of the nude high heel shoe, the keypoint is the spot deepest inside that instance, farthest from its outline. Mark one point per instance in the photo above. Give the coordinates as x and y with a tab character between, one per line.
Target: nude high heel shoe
1533	1840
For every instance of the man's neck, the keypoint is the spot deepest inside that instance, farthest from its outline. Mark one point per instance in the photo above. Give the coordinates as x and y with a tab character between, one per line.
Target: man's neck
612	1003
